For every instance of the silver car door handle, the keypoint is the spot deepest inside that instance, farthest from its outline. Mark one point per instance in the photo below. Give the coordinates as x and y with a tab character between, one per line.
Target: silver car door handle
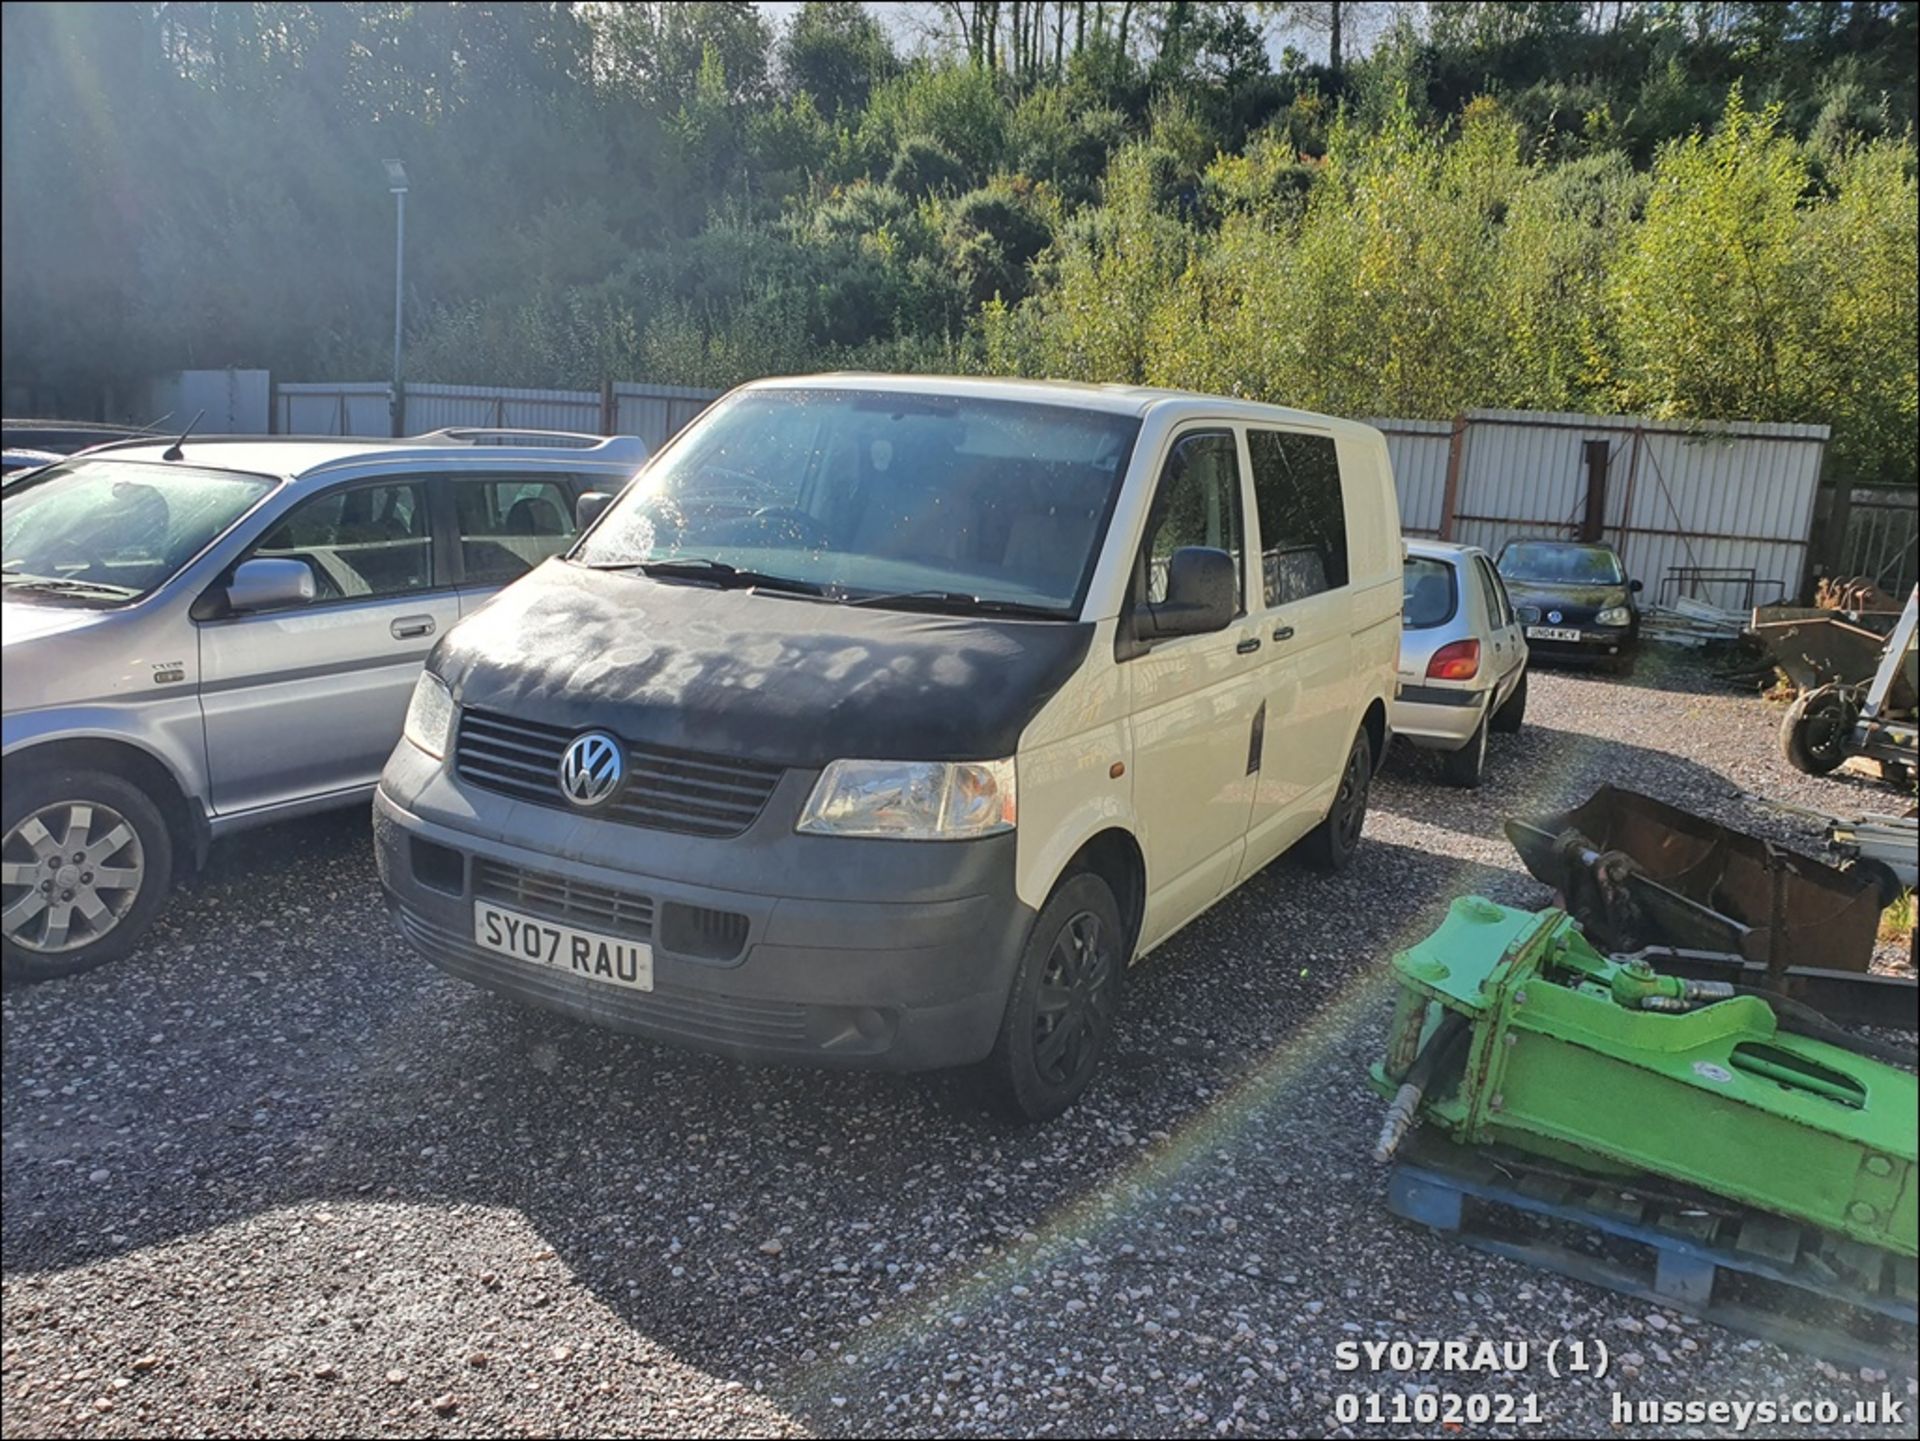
409	626
1283	632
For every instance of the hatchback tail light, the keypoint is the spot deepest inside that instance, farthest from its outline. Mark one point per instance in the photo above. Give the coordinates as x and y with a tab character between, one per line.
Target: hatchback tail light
1456	660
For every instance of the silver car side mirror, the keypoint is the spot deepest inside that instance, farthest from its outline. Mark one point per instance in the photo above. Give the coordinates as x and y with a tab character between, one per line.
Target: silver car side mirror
267	583
588	508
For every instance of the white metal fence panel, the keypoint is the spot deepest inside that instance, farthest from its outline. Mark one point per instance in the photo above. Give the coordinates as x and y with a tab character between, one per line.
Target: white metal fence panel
332	408
1418	451
438	407
656	412
1678	494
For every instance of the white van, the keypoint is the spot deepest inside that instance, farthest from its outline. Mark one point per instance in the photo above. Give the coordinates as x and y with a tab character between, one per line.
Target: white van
885	720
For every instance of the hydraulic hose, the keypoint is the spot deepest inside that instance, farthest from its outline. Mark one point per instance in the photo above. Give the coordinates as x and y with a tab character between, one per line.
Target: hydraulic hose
1401	1115
1803	1020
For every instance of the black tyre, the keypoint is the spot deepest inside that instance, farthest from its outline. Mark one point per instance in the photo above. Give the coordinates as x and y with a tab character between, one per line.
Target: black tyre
1061	1010
1331	844
1464	767
88	861
1507	719
1815	733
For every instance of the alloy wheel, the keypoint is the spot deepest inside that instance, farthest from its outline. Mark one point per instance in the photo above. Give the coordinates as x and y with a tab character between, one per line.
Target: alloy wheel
69	873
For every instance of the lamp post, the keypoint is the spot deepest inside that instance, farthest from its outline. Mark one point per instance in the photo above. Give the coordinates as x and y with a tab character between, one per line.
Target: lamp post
397	183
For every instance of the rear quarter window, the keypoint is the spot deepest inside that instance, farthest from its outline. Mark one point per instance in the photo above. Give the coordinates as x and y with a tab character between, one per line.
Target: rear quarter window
1429	593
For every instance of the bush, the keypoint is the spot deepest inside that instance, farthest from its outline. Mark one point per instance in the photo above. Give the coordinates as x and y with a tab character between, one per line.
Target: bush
922	168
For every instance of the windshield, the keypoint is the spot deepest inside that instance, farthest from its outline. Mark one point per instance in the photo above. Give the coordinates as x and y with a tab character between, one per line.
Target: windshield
882	495
1541	560
106	531
1426	593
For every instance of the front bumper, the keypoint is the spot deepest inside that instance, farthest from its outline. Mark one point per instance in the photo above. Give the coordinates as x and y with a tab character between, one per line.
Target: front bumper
772	946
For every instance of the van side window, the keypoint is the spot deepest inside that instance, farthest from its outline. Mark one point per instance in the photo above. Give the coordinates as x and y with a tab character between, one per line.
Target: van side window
1303	517
509	525
359	541
1198	503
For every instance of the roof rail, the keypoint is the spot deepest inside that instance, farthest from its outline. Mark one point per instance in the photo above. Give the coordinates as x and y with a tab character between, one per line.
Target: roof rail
605	447
515	435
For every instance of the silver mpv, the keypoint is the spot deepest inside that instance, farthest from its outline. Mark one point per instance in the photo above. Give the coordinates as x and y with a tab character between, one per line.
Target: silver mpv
208	635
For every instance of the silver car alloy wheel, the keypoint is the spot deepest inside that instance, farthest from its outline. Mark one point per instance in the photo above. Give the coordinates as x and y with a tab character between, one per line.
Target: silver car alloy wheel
68	873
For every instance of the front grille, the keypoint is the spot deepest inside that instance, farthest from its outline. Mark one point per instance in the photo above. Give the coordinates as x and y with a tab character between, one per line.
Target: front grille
664	790
1527	614
570	902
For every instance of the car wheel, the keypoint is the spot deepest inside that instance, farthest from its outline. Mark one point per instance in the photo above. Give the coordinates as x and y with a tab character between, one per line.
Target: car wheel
1464	767
1507	719
1061	1010
1331	844
85	862
1816	731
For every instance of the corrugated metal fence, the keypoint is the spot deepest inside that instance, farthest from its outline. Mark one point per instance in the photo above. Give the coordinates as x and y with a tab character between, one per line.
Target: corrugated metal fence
652	412
1721	511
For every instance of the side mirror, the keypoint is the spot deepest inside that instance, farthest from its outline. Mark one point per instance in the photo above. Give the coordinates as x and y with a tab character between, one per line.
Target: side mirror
1203	595
1635	585
267	583
589	507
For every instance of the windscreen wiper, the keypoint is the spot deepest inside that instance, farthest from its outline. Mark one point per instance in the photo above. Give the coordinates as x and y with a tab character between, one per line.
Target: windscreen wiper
715	572
958	602
49	585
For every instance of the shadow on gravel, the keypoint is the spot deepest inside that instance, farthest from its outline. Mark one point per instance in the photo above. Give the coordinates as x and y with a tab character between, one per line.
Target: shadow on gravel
281	1053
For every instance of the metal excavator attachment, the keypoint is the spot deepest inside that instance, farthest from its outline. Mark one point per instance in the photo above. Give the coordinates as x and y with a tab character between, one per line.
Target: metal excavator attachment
1722	1130
1637	872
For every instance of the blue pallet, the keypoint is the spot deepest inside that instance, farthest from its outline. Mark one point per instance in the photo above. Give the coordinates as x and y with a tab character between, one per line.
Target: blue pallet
1432	1188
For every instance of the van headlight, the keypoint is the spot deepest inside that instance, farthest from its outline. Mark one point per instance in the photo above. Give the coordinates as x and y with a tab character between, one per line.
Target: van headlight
430	715
912	800
1614	615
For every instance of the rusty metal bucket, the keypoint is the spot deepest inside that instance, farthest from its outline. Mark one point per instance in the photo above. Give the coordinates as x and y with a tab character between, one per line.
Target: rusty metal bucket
1635	872
1815	647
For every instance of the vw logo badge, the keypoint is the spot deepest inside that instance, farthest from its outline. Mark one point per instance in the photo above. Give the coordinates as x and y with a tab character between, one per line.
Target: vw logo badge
1552	615
591	769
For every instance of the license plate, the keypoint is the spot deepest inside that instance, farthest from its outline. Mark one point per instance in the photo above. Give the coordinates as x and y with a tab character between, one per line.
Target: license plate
1551	632
581	953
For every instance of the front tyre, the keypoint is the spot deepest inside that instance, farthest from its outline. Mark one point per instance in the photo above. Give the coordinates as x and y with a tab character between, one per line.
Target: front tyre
1331	844
85	862
1060	1012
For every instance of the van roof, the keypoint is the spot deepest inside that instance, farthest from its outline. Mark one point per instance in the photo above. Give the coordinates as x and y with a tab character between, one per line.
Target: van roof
1134	400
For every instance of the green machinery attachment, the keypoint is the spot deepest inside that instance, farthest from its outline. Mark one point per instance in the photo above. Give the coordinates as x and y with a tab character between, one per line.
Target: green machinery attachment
1510	1030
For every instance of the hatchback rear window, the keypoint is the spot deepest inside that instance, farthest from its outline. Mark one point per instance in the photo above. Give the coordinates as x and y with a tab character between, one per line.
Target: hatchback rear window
1427	594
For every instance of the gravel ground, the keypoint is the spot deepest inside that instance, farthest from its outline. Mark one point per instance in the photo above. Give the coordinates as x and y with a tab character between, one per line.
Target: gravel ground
276	1175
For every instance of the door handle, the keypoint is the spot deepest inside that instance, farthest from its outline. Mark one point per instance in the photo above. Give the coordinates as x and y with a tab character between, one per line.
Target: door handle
409	626
1283	632
1249	645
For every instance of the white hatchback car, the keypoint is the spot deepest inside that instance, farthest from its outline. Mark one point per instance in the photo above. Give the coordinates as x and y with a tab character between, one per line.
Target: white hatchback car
1463	657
